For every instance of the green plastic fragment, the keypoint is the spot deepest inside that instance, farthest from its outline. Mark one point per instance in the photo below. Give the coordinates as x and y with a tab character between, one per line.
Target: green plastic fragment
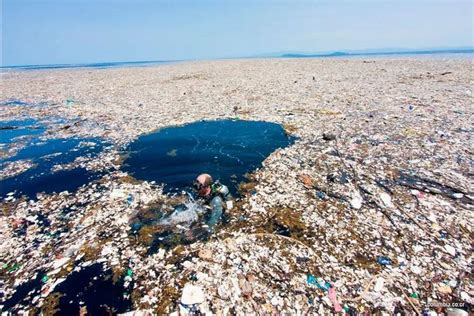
346	308
45	279
70	101
414	295
14	267
129	272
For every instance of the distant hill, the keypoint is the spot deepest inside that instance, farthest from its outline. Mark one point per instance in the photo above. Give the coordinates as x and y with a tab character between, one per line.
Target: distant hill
335	54
380	53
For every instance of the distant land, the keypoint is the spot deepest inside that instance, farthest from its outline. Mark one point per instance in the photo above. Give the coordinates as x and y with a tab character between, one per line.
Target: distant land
349	53
380	53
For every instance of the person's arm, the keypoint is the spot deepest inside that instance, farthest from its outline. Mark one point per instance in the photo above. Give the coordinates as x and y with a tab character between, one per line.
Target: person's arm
216	211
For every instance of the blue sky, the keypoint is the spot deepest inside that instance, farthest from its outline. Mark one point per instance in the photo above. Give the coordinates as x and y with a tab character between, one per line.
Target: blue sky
81	31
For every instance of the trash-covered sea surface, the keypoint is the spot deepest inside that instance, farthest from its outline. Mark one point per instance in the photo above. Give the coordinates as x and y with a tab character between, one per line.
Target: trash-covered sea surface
365	208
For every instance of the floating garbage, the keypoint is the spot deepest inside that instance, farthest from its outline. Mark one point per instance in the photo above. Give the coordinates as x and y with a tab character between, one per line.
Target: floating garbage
384	261
192	295
394	184
70	101
320	283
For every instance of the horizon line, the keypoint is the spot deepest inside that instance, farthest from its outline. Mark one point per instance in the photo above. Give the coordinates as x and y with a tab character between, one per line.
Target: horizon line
283	54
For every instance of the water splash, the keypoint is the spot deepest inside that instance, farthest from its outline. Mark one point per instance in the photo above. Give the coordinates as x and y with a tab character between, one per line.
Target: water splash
185	214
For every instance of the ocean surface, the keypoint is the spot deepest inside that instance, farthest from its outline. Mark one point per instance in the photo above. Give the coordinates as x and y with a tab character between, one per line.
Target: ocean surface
447	53
44	155
104	65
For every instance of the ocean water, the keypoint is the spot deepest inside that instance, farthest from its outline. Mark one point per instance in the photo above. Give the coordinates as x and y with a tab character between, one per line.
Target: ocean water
226	149
103	65
441	53
44	155
9	130
94	288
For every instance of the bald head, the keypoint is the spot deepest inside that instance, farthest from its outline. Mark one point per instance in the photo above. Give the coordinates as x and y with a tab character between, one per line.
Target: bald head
205	179
203	184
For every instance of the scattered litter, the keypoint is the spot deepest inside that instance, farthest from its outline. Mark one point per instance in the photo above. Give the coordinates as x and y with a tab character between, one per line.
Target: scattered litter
384	261
192	295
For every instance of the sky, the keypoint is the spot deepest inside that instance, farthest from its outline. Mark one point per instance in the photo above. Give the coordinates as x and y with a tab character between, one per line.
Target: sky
85	31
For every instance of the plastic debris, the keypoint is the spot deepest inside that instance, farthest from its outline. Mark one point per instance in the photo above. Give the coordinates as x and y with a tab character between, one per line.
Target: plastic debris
130	199
450	249
356	201
58	263
321	195
386	200
280	227
319	282
333	298
70	101
384	261
192	295
379	284
329	136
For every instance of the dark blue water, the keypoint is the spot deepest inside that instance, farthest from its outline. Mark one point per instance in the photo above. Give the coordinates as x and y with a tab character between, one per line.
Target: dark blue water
93	287
17	102
45	155
103	65
225	149
24	293
16	128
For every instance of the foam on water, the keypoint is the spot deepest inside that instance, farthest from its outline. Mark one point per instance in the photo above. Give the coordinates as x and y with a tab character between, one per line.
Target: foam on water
186	214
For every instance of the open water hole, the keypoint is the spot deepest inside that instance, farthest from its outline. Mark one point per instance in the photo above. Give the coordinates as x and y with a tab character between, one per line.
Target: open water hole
175	156
41	156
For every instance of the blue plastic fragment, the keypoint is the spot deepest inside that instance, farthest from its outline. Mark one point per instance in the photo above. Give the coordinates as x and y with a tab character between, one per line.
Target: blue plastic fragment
320	283
311	279
384	260
320	195
129	199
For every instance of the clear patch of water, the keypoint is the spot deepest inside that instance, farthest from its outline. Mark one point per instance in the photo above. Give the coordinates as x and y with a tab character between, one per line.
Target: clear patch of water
45	155
27	159
93	287
226	149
